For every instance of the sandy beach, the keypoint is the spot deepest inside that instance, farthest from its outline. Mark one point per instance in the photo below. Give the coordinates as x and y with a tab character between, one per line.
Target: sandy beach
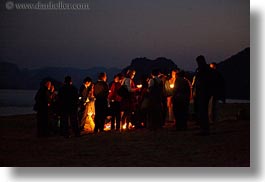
228	145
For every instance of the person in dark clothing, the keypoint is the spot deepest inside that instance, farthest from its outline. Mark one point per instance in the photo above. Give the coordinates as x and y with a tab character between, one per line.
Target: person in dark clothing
181	100
163	78
115	106
155	94
42	104
203	88
143	97
101	91
217	94
53	111
68	99
84	93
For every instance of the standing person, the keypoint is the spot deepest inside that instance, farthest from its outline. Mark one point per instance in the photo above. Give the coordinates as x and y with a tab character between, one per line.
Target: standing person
128	104
203	88
101	91
163	78
84	92
155	94
115	106
53	110
218	92
53	99
68	99
143	101
181	101
169	87
42	104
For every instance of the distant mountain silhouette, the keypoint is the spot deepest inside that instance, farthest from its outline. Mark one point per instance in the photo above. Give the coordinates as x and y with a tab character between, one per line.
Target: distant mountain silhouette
144	66
11	77
236	72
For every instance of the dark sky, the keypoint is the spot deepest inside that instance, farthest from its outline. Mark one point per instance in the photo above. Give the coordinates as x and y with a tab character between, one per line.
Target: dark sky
113	32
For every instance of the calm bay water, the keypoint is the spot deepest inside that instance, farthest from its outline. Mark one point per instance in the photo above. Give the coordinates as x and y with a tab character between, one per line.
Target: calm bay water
16	102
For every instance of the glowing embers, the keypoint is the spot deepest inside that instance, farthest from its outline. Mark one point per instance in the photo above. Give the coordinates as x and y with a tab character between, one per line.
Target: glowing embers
124	127
128	126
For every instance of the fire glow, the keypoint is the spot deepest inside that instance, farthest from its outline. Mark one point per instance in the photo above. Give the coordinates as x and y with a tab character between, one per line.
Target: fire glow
107	126
139	86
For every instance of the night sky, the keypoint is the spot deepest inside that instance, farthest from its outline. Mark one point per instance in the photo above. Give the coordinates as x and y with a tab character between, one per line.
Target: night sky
113	32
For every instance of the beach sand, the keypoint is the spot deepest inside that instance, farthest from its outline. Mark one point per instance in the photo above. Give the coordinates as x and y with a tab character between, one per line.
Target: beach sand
228	145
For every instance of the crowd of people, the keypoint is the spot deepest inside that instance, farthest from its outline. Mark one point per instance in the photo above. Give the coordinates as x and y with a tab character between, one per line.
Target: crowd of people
150	104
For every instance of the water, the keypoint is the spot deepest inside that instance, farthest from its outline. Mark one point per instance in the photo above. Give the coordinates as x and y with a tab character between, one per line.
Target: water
16	102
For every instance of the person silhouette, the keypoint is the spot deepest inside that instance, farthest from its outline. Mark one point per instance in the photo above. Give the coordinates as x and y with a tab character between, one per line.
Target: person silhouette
218	93
115	106
101	92
68	100
42	104
181	101
203	91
